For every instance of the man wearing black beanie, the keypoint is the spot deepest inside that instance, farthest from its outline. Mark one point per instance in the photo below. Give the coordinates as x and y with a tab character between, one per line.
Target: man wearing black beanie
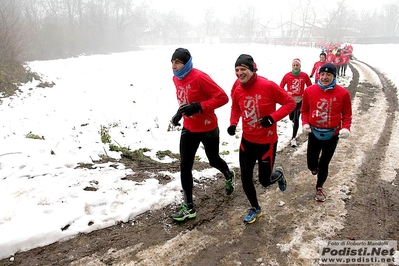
182	55
326	117
198	97
246	61
255	101
329	68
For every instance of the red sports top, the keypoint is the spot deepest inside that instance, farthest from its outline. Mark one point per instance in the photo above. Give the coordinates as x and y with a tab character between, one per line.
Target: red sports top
327	108
296	84
316	68
198	87
256	102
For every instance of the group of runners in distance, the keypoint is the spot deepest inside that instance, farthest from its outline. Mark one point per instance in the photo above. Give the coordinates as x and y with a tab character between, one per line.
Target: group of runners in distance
339	55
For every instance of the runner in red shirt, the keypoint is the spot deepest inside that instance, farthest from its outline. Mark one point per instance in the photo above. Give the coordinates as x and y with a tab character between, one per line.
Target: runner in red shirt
330	56
316	67
296	80
338	62
198	97
326	116
345	60
255	101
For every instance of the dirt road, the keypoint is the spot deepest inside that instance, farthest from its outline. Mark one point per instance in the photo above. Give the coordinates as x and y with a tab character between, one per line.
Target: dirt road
362	204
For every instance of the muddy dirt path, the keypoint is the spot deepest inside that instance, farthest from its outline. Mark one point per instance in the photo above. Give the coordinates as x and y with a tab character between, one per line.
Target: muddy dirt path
360	205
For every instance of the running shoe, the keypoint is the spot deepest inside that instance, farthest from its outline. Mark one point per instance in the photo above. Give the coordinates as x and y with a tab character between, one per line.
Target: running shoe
282	182
184	214
293	143
320	197
230	183
252	215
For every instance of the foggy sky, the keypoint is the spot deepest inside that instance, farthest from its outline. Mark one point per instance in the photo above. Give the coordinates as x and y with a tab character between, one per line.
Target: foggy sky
194	10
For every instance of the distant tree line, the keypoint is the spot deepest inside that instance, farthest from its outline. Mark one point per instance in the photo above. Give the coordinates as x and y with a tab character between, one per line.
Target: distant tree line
46	29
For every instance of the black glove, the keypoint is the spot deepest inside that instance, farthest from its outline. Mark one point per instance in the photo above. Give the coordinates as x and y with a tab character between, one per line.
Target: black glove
190	109
266	121
176	118
232	130
311	76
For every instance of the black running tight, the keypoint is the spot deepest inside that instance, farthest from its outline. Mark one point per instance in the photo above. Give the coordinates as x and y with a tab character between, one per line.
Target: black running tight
319	155
250	153
294	117
189	143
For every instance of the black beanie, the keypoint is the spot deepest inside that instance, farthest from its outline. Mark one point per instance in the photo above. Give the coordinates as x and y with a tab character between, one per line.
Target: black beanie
330	68
246	61
182	55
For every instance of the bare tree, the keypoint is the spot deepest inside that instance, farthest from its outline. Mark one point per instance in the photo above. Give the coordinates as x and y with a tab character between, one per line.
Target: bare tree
368	23
235	27
293	17
337	20
244	24
391	19
124	16
211	23
308	17
178	27
136	24
11	32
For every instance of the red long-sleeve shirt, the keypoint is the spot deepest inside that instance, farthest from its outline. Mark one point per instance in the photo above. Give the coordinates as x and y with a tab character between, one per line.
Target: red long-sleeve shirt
316	68
258	101
296	84
327	108
338	60
345	59
198	87
330	58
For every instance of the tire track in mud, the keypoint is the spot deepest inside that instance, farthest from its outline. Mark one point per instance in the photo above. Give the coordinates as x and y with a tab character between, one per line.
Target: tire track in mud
376	198
359	206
